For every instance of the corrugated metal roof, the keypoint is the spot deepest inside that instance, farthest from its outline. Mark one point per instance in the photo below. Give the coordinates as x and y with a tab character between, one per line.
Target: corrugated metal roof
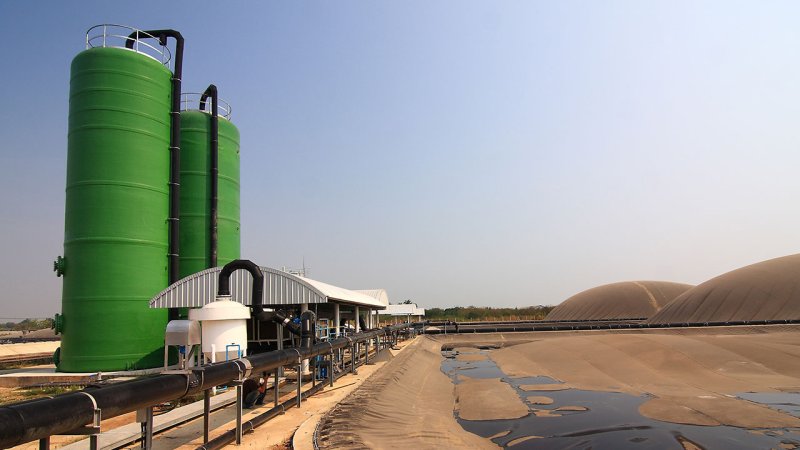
404	309
280	288
379	294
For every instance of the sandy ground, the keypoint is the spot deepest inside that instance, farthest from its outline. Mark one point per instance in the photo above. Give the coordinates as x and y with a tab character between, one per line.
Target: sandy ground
691	374
408	404
28	348
478	398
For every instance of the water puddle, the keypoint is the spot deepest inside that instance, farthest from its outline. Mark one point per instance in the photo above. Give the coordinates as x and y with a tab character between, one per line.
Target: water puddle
457	369
566	418
787	402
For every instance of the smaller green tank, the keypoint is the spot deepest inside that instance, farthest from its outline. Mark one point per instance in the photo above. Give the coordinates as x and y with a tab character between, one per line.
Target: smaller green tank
195	214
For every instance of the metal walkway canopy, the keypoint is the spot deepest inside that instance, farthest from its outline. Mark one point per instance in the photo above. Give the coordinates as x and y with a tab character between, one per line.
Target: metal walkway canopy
280	288
404	309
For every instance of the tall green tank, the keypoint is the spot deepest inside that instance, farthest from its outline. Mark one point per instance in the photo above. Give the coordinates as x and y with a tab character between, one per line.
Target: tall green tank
117	205
195	213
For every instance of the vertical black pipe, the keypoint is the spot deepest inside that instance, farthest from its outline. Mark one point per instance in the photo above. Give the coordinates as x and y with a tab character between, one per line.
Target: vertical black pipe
211	92
308	329
174	149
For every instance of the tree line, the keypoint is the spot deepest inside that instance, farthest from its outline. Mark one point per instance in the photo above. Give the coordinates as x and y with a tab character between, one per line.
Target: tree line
27	325
482	314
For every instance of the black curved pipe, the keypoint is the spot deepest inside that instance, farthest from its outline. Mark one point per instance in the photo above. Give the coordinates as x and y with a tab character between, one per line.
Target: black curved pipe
282	319
174	147
211	92
256	299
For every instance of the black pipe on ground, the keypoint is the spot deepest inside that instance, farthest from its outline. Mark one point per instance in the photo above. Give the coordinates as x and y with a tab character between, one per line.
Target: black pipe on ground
211	92
543	321
25	422
510	327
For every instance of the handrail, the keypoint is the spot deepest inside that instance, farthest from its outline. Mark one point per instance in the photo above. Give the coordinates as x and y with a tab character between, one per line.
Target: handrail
190	101
117	36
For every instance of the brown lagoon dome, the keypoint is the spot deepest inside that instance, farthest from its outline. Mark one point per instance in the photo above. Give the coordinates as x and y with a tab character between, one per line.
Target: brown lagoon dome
624	300
769	290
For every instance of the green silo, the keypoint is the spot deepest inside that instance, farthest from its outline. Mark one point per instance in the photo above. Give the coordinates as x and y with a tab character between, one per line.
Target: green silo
117	206
196	191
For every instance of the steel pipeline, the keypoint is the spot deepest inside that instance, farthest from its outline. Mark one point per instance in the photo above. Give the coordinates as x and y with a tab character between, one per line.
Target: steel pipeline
25	422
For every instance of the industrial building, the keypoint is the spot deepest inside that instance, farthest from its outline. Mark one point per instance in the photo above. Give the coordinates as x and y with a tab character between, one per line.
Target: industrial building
408	312
339	311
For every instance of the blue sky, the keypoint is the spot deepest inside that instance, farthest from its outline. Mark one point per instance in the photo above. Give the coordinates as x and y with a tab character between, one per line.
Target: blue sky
473	153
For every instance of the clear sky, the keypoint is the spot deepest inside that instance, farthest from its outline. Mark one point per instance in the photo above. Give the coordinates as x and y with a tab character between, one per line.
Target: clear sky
452	152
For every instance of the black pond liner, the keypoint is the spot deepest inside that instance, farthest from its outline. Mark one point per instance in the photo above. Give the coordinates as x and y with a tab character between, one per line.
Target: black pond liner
786	402
611	419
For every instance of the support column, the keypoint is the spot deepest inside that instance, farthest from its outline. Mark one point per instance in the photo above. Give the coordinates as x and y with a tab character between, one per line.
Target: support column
305	371
277	392
239	406
357	325
336	319
331	376
353	356
279	330
206	413
299	386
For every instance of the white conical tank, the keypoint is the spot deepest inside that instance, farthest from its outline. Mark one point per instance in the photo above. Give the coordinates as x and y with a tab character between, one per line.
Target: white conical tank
224	325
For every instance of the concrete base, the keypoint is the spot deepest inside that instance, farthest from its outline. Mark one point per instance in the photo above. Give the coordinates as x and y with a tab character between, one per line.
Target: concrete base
47	376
